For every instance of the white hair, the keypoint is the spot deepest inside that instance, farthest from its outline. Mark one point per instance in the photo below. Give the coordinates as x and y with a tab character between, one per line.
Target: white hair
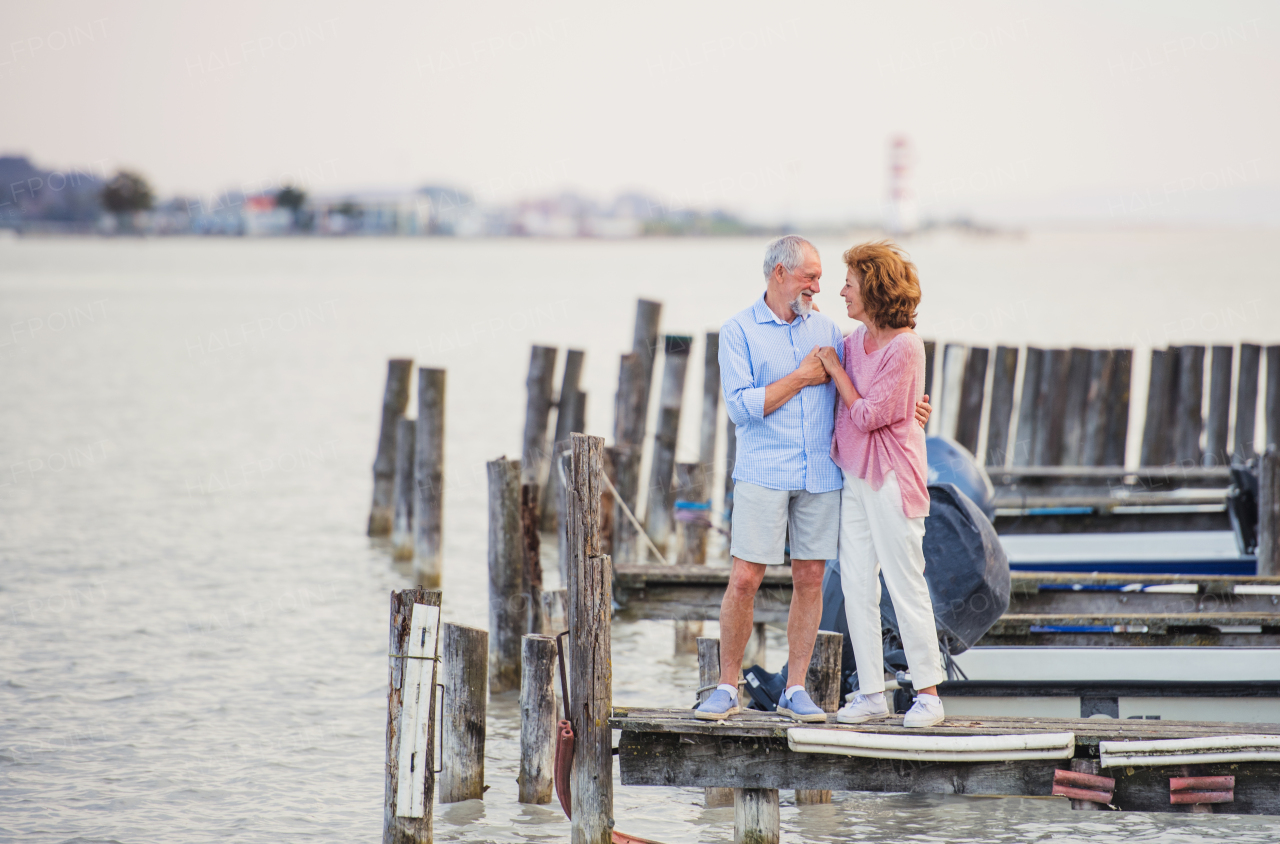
787	251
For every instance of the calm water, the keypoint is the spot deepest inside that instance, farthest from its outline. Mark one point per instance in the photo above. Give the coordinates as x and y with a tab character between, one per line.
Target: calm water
192	624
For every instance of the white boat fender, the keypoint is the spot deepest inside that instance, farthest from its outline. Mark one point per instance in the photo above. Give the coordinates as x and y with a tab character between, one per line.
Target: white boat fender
929	748
1191	751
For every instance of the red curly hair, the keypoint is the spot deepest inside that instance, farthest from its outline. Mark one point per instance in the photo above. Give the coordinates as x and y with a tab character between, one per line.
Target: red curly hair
890	286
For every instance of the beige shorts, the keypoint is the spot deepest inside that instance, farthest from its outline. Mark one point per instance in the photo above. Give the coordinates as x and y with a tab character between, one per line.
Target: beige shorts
764	519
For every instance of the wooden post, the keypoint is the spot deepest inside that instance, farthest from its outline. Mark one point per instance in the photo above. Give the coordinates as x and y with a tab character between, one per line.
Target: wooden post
1189	421
629	406
1050	409
657	521
822	681
645	346
1272	418
972	392
953	359
1024	446
1097	407
1000	415
555	610
1118	408
538	386
930	350
1243	447
730	457
560	465
1073	406
1155	435
626	479
1215	441
710	410
568	421
402	521
691	498
466	697
691	542
591	672
411	707
708	676
508	592
1087	766
428	476
628	437
532	554
608	506
395	399
1269	512
755	816
711	390
537	719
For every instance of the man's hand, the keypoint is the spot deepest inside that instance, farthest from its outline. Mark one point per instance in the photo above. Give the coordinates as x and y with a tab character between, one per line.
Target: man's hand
923	409
811	371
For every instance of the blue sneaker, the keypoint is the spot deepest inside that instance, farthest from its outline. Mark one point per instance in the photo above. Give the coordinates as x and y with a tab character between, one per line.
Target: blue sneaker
719	706
801	707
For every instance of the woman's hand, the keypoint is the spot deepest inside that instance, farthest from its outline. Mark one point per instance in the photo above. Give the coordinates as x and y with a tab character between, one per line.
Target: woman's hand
830	360
923	409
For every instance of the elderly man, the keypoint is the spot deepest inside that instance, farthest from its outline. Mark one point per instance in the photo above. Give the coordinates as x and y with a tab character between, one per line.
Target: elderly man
785	482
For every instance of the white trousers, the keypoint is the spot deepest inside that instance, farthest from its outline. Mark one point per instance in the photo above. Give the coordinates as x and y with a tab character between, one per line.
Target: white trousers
875	536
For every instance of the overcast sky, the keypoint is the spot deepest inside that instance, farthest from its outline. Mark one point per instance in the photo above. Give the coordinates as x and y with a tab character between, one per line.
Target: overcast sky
1106	110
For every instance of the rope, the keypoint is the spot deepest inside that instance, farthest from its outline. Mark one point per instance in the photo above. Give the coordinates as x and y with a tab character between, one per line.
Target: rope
631	516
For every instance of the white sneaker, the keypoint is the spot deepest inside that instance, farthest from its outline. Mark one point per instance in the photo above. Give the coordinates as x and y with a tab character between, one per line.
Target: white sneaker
863	708
926	712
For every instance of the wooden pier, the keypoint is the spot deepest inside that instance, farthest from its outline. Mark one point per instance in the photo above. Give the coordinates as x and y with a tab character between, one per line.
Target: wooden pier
1045	608
669	747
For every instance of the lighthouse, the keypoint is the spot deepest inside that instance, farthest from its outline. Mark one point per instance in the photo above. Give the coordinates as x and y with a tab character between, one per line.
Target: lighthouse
900	212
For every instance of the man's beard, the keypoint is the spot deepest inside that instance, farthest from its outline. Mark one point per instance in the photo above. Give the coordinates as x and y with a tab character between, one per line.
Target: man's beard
801	306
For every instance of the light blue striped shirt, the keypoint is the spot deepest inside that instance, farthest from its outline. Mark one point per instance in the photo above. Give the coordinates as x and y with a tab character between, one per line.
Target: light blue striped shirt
791	447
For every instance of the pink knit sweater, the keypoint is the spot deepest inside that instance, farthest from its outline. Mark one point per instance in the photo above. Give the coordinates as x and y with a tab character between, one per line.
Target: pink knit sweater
879	433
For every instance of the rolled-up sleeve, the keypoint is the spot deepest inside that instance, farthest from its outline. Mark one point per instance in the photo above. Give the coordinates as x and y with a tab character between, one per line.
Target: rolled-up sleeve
742	398
885	399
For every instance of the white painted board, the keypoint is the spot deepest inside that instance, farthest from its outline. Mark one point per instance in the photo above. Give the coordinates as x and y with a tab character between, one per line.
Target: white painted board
419	677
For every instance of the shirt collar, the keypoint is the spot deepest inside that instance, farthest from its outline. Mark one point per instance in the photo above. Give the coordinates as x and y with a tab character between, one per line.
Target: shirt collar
763	313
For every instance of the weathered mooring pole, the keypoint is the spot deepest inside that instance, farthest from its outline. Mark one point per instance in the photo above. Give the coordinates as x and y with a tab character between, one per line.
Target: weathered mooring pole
657	518
823	684
591	672
395	399
402	521
537	719
539	386
466	693
508	593
532	552
428	475
708	679
568	420
410	781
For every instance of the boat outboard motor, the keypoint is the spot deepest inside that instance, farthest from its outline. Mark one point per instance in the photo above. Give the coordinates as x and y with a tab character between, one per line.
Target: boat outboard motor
1242	506
952	463
968	576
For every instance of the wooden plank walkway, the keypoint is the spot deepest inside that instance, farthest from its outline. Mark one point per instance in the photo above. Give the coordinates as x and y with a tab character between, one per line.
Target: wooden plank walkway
666	747
1181	601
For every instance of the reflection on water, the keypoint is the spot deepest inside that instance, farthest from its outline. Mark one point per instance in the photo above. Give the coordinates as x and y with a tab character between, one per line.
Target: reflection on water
194	627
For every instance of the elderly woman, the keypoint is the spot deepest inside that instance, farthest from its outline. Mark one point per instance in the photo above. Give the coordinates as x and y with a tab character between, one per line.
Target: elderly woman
880	449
